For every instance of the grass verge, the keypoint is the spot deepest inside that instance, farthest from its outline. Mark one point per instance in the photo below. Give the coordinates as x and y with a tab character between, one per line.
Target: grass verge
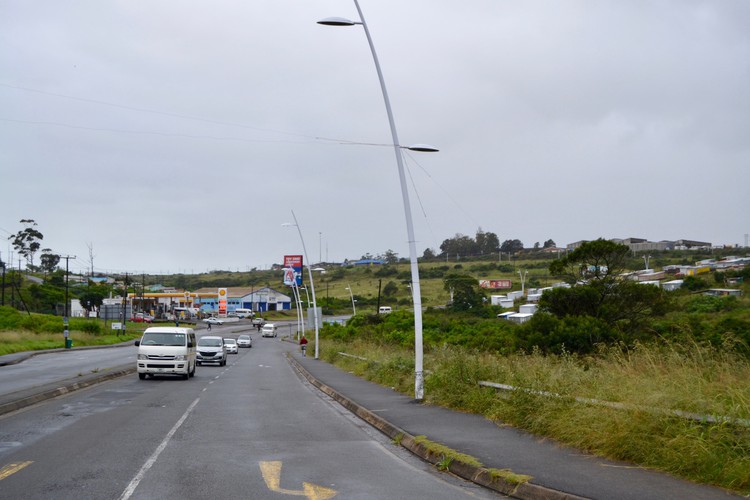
690	378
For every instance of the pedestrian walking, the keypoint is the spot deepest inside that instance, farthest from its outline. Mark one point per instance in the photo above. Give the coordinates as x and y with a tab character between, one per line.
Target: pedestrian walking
303	345
209	327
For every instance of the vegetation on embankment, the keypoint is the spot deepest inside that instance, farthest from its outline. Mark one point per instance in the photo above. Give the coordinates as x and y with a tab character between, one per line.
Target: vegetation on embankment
650	382
21	332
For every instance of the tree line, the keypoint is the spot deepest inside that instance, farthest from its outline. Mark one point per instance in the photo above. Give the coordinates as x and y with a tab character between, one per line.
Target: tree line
483	244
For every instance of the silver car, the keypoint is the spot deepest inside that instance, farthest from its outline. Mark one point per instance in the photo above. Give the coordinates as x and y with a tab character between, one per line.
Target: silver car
211	350
231	346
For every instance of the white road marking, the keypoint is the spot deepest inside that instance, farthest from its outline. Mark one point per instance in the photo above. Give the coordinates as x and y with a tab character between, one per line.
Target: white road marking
152	459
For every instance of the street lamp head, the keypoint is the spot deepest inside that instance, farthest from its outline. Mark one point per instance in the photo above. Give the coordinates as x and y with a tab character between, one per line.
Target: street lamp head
422	148
337	21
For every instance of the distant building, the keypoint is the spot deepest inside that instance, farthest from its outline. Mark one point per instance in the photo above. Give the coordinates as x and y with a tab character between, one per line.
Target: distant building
724	292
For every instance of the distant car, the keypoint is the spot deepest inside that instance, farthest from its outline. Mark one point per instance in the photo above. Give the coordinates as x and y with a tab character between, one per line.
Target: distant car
244	341
258	321
213	321
268	330
142	318
231	346
211	350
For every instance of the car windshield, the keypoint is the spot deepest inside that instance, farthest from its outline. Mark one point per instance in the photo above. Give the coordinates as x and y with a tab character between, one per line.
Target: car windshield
163	338
243	337
230	341
204	342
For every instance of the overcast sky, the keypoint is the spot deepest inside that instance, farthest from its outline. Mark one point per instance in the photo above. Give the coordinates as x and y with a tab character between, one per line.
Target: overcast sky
178	136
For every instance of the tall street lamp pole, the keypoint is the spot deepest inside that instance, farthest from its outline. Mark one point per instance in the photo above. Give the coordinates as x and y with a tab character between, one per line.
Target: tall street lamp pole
312	283
418	349
351	294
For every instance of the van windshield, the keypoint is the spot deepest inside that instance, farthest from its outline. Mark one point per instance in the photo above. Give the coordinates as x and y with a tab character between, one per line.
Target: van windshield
163	338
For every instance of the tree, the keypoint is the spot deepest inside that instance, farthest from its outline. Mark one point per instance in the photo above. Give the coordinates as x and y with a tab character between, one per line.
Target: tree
390	257
594	269
536	246
27	241
599	260
459	245
428	254
93	296
511	246
48	261
549	244
390	289
487	243
466	292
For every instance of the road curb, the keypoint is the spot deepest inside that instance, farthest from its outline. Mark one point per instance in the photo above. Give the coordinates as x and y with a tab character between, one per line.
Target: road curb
479	475
23	401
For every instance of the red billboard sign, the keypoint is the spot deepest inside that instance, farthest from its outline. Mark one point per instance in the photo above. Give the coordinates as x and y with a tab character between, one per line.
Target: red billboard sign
496	284
293	262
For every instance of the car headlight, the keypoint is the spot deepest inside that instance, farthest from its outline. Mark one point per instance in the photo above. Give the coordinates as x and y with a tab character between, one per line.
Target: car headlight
180	358
142	356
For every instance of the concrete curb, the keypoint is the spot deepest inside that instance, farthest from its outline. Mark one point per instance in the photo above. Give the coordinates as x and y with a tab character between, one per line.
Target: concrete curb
478	475
23	399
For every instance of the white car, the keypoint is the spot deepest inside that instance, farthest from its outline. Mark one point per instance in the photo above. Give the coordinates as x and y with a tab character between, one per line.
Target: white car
214	321
268	330
231	346
244	341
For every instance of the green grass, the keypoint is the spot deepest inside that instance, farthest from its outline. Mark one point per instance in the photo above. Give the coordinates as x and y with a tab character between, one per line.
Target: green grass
689	377
21	332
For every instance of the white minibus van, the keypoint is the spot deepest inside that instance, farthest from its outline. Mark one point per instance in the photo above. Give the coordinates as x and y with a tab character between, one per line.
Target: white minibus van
385	310
165	350
244	313
268	330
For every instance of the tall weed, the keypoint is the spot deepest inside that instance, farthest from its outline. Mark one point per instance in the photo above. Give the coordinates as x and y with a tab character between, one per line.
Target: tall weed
645	379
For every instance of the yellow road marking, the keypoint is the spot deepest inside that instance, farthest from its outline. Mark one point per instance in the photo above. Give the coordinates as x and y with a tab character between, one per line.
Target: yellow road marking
13	468
272	476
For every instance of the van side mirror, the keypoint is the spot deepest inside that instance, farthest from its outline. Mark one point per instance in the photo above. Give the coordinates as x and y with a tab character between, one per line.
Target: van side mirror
137	343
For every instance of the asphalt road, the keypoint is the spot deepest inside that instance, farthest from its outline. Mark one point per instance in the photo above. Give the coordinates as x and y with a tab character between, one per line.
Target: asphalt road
252	429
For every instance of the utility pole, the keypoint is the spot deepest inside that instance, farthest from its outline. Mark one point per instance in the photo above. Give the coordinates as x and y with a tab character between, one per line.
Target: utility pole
3	266
91	258
143	289
124	306
68	341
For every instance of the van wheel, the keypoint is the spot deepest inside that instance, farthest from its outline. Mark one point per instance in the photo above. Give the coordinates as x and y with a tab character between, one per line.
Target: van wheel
185	376
142	376
192	372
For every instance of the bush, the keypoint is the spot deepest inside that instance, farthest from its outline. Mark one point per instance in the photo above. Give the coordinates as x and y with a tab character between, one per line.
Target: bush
577	334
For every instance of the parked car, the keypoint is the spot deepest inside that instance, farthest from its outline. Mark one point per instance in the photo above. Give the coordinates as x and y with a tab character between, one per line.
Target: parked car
244	341
211	350
231	346
214	321
269	330
142	318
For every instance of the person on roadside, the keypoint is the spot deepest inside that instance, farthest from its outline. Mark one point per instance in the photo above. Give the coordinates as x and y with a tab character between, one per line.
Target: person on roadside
209	327
303	345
